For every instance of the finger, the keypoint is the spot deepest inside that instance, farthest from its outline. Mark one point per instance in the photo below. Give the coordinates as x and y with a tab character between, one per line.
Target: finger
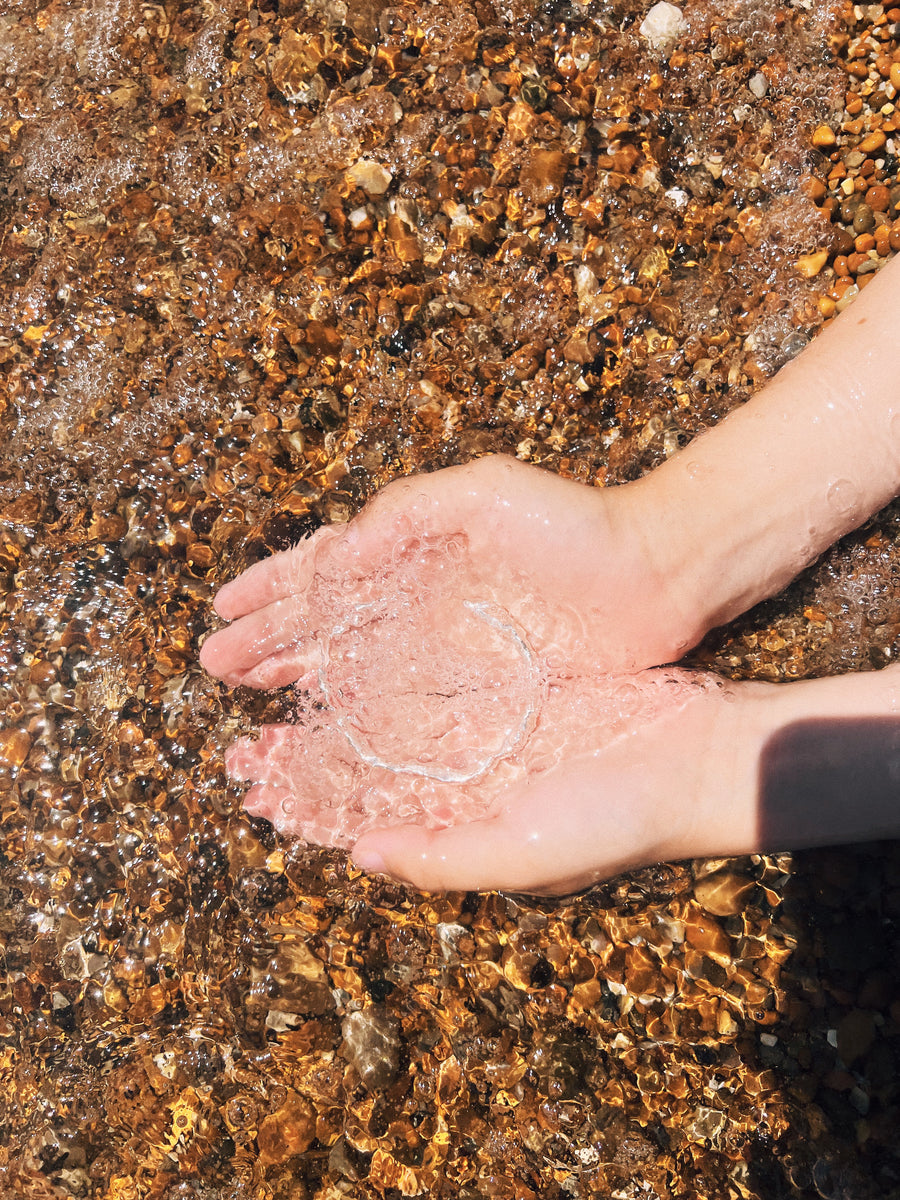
274	803
232	652
299	666
275	578
245	758
477	855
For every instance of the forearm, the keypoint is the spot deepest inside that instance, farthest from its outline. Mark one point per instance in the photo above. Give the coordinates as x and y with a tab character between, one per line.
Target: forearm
740	511
830	772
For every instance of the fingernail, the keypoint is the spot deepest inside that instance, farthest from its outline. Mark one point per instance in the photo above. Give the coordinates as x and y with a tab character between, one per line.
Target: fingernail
370	860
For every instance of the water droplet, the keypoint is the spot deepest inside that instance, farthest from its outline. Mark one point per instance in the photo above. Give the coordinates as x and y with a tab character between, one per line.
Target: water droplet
843	497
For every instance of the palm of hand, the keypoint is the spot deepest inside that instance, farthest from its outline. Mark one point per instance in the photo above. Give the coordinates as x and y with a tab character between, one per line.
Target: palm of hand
449	678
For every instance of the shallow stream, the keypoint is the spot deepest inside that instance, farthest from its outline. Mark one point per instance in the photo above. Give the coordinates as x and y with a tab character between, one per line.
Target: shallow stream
258	259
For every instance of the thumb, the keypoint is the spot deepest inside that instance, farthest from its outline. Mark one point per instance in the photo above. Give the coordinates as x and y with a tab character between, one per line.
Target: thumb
470	857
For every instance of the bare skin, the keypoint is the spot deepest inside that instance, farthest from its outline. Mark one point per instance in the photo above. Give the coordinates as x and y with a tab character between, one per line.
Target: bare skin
576	549
632	577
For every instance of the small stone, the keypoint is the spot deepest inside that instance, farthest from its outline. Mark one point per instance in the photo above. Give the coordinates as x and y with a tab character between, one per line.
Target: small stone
654	264
288	1131
663	26
723	893
878	198
864	220
874	141
823	136
14	747
371	176
816	190
855	1035
707	1124
811	264
758	85
895	75
372	1046
707	936
842	242
542	176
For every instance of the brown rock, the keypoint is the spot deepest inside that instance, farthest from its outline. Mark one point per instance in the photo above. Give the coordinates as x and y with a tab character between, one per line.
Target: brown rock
289	1130
878	198
372	1046
874	141
723	893
14	747
542	176
707	936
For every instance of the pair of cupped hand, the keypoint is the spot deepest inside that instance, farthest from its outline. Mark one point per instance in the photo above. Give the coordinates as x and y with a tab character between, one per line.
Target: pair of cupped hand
477	657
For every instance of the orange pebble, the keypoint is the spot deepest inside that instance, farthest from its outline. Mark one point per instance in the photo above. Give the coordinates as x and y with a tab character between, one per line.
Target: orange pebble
864	243
841	266
874	141
823	136
878	198
815	189
827	306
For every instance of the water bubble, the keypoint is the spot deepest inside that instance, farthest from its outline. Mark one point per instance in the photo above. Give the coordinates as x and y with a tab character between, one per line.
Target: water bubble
843	497
793	344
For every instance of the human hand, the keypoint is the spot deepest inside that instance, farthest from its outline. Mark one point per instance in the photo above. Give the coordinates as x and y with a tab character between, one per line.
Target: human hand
458	665
677	778
616	774
571	564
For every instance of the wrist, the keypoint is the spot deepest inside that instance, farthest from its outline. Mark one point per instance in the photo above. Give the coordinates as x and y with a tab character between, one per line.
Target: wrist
684	572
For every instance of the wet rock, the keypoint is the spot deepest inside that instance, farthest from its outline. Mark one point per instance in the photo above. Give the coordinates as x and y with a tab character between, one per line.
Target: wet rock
372	177
663	26
372	1044
288	1131
542	176
855	1035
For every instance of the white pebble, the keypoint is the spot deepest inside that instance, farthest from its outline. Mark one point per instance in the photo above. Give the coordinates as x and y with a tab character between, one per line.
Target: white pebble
371	176
758	85
663	25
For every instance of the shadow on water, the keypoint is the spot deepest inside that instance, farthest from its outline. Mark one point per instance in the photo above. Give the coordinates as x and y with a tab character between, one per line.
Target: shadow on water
837	1051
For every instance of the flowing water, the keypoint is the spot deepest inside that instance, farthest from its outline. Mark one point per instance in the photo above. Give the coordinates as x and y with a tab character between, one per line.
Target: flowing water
257	260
